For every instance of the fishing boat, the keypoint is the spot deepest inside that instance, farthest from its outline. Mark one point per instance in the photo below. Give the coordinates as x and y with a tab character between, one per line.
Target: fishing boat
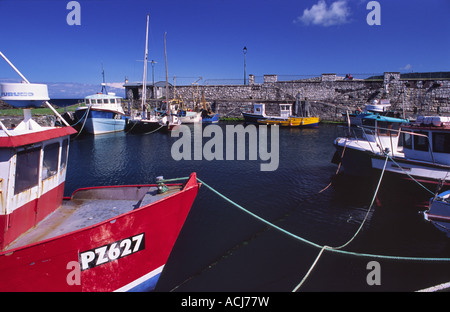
380	107
208	116
371	133
102	113
108	238
147	121
438	212
186	116
259	112
286	118
424	156
291	121
173	121
300	118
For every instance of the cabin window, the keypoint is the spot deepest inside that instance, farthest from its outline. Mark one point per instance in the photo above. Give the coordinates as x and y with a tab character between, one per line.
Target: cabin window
369	126
407	140
64	149
113	101
27	169
421	141
50	164
383	128
105	101
441	142
87	102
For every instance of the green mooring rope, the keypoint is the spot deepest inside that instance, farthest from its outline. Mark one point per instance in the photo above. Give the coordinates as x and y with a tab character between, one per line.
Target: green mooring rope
324	247
352	253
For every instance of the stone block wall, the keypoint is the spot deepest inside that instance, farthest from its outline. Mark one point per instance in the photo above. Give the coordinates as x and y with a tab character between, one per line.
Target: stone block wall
329	95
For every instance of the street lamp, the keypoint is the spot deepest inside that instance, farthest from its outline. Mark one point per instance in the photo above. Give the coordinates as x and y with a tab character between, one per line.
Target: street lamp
153	77
245	74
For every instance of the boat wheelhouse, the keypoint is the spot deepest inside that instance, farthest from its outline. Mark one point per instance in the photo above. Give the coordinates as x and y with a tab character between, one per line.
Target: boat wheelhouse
424	154
33	161
369	134
259	112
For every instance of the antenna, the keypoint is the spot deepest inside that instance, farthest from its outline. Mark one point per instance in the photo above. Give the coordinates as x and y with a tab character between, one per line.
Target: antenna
104	91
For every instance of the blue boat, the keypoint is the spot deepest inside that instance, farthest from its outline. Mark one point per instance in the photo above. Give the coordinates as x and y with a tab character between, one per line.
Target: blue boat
103	113
439	212
209	117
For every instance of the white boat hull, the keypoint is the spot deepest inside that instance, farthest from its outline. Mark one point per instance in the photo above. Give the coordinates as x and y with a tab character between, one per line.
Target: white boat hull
104	125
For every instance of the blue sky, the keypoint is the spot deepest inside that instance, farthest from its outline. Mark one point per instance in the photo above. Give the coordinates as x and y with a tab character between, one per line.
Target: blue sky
205	39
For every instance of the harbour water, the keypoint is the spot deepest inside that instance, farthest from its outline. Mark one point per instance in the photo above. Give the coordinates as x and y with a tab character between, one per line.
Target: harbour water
221	248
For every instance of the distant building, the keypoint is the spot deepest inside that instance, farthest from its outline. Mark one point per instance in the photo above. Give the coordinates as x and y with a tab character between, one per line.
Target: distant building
133	90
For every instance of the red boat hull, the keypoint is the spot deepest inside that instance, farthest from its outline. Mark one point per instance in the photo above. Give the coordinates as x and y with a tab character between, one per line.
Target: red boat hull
122	253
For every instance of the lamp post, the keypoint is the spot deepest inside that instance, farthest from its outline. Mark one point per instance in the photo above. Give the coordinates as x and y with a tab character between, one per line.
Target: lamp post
245	65
153	77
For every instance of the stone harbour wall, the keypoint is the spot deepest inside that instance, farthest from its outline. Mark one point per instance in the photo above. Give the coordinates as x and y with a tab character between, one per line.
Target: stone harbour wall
328	95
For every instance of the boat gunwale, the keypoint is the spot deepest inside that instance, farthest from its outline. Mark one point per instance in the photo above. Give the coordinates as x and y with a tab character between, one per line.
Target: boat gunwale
92	108
186	187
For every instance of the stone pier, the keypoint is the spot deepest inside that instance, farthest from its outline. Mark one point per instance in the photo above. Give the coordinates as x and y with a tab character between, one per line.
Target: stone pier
329	94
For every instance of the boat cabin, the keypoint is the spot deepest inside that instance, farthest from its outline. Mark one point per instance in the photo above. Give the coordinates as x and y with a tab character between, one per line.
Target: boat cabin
107	101
428	139
259	109
285	110
33	162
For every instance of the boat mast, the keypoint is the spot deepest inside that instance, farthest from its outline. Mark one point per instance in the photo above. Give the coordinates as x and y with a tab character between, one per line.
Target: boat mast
167	77
14	67
144	78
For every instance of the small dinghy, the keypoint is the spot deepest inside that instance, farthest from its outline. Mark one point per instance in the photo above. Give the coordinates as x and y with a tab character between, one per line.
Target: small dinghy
439	212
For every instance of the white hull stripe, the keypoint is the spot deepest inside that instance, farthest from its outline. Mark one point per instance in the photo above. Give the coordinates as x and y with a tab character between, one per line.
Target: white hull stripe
140	280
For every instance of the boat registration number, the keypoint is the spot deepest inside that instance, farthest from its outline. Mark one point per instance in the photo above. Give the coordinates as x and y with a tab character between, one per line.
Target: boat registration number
110	252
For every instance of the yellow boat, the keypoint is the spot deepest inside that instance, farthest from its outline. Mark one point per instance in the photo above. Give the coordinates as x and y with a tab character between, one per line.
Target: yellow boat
291	121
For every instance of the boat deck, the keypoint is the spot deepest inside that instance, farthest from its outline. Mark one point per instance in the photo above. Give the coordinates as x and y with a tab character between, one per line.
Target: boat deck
90	206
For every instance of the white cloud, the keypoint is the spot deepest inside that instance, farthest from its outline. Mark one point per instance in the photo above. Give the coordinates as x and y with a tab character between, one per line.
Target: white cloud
320	14
115	85
406	67
58	90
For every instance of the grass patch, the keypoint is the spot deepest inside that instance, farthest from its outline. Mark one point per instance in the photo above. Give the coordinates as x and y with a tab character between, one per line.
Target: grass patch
36	111
231	119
